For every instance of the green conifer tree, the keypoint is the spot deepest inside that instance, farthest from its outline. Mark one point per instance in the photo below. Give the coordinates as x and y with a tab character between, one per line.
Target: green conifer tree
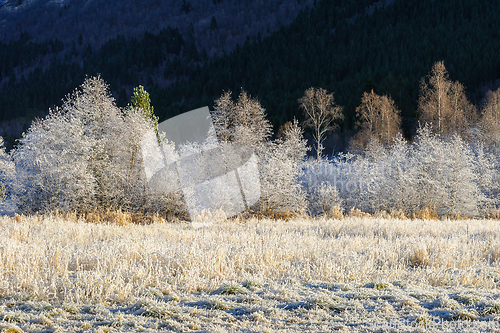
141	100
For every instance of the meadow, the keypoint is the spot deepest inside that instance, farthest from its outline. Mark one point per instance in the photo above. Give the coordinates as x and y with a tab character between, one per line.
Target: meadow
355	274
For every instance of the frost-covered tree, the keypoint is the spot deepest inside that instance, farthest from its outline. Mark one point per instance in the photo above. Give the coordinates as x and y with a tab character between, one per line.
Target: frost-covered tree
433	102
462	112
250	124
242	121
486	167
222	116
135	195
442	174
427	160
53	166
83	156
376	179
280	169
399	191
293	141
103	124
463	194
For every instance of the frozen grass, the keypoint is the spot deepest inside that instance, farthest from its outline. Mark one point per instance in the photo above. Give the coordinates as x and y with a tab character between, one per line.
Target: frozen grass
356	274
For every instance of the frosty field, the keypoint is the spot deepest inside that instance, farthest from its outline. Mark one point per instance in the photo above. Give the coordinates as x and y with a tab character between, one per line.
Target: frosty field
356	274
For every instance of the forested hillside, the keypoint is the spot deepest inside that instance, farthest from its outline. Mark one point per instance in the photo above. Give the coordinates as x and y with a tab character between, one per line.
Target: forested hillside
48	47
334	47
347	47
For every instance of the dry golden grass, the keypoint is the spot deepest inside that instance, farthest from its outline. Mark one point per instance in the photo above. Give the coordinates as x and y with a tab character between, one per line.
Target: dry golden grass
419	258
64	259
354	212
118	217
276	215
337	213
426	213
495	214
495	254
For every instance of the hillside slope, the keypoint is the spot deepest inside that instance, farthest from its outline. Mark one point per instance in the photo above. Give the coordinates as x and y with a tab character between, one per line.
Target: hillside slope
344	46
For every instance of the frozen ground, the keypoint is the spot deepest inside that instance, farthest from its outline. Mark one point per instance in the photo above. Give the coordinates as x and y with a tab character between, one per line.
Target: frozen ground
287	307
354	275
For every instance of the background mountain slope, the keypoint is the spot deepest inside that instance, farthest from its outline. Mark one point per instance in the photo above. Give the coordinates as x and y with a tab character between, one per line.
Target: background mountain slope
187	53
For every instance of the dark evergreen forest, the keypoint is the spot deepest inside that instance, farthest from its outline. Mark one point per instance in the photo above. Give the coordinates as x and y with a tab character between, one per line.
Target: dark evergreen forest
344	46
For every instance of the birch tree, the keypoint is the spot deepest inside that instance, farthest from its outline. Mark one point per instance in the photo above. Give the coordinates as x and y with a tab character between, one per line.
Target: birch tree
243	121
443	103
379	119
462	112
321	112
433	103
250	124
103	123
490	119
222	116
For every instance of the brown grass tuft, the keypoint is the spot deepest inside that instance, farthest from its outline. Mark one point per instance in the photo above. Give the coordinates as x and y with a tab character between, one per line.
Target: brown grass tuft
426	213
337	213
419	258
354	212
284	215
494	215
113	217
495	254
19	218
398	214
118	217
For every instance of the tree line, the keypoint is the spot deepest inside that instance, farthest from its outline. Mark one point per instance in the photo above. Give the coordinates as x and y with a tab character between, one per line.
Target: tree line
86	156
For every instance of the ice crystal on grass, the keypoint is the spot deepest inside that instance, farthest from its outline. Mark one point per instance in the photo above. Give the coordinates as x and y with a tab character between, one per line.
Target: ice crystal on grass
409	302
325	303
97	309
252	285
71	308
251	299
378	285
468	298
232	288
422	321
489	307
42	320
447	303
152	308
400	284
463	314
154	292
258	316
10	328
15	317
217	303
